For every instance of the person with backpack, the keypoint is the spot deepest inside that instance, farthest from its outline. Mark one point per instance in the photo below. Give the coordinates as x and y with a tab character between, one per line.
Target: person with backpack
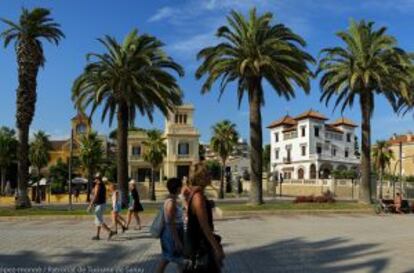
171	236
202	247
98	202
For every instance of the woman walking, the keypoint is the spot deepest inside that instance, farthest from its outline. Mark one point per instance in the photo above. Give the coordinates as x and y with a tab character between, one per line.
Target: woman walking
98	202
134	206
172	234
116	210
202	247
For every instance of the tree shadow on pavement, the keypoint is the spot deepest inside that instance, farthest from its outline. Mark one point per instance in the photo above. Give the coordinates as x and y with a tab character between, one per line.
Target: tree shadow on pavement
294	255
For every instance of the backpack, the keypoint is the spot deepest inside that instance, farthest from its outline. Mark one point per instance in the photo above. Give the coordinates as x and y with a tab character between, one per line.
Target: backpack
157	225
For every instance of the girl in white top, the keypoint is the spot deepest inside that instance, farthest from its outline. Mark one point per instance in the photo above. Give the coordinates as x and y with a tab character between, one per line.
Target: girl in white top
116	209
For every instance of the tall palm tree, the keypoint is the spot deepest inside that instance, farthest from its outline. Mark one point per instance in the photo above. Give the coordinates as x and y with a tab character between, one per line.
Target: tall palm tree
39	156
254	50
33	27
136	75
90	156
382	156
8	147
155	150
369	63
223	142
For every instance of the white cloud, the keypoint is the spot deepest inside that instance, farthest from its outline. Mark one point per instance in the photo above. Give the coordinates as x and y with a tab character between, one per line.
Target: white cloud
162	14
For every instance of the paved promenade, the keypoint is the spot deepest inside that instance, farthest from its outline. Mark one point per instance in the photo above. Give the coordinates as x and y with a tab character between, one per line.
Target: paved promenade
321	244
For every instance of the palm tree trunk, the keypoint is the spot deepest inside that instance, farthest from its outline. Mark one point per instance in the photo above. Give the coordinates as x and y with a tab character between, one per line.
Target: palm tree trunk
365	185
256	139
89	186
22	200
152	186
221	192
122	154
3	180
381	178
38	189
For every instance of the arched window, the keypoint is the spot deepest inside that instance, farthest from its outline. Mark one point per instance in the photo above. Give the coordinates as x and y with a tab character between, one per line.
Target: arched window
301	173
81	128
313	171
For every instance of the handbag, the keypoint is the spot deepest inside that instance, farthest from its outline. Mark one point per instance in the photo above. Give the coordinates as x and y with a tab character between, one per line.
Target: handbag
157	225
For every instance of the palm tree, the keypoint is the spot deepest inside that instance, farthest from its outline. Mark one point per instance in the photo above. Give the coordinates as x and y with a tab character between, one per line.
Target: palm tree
223	142
369	63
8	147
136	75
33	27
155	150
90	156
39	156
382	156
252	50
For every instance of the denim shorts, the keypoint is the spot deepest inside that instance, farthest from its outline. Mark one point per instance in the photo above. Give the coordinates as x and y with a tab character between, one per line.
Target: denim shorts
99	214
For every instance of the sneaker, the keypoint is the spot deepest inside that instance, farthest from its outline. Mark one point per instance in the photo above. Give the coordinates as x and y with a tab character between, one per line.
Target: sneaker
111	234
95	238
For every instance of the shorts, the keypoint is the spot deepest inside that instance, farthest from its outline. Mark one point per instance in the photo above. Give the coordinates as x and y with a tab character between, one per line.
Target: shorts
117	208
99	214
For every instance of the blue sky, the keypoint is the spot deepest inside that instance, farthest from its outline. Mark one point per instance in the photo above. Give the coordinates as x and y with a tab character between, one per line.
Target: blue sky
185	26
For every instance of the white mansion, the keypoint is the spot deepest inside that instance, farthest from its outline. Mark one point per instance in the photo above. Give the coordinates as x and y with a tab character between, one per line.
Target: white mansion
182	140
308	147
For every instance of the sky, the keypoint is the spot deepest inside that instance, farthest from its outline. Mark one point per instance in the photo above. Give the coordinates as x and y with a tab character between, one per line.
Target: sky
186	26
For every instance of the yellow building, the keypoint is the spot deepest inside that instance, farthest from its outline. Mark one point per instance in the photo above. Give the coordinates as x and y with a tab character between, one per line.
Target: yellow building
182	140
405	144
81	125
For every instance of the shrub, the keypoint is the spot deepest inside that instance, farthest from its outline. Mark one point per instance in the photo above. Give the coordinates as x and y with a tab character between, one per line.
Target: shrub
326	197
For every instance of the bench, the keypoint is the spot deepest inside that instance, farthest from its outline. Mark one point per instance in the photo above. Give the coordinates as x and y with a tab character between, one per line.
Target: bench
405	205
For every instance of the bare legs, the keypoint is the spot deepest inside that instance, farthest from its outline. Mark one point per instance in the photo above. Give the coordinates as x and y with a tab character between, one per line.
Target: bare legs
118	219
136	216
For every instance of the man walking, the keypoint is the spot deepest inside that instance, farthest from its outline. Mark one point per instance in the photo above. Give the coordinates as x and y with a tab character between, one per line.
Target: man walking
99	202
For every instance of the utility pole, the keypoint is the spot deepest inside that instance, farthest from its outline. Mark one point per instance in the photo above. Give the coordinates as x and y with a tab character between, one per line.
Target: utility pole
70	169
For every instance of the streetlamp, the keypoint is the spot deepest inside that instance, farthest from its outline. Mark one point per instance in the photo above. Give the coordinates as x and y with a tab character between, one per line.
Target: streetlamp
70	169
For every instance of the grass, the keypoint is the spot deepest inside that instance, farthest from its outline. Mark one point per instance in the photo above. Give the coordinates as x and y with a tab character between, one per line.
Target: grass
47	211
289	206
228	209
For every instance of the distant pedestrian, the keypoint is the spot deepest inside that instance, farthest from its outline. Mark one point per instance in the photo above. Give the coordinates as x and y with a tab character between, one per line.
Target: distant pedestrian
98	203
202	246
172	234
398	203
117	219
76	194
134	204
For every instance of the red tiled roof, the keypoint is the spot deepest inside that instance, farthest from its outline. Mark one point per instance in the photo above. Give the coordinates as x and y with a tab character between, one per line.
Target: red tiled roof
344	121
401	138
286	120
311	114
57	144
333	129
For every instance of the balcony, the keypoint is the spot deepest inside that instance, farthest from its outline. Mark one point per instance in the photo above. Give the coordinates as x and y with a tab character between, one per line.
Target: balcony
287	160
135	157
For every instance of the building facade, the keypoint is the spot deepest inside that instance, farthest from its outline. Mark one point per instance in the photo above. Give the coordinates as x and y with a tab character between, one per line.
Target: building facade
402	147
309	147
182	140
60	149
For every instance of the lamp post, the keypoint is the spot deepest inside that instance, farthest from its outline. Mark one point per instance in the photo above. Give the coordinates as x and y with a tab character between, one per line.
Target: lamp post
70	169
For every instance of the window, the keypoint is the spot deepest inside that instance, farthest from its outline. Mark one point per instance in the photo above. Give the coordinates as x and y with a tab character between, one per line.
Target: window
288	152
316	131
183	148
81	128
303	150
276	153
303	131
333	151
136	150
348	137
346	153
185	119
276	137
318	149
